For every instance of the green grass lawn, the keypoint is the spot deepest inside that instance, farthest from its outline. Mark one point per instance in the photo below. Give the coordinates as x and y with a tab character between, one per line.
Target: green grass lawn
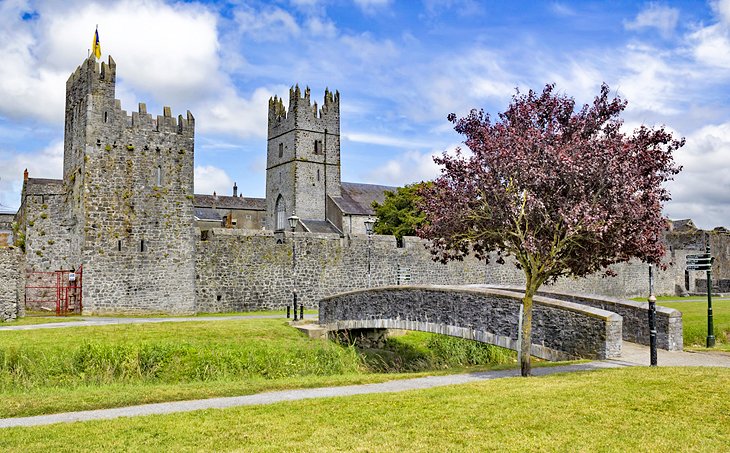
694	320
56	370
631	409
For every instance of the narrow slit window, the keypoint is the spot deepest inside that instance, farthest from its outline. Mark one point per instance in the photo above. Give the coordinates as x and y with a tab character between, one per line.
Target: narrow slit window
281	150
318	147
318	174
142	246
119	246
106	117
158	175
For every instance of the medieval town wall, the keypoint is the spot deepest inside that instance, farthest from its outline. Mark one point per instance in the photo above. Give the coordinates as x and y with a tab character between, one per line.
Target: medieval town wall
11	286
247	270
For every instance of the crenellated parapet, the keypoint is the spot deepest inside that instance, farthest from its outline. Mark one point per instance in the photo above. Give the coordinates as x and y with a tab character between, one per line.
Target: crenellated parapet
303	113
91	73
143	121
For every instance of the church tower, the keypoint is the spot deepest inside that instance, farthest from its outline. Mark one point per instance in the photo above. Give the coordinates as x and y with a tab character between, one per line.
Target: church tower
129	188
303	157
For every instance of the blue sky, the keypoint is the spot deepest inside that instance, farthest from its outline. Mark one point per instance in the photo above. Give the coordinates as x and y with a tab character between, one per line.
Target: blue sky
401	67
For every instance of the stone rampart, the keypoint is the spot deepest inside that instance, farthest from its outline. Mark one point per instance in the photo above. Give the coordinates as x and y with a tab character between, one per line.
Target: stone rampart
246	270
561	330
635	316
10	283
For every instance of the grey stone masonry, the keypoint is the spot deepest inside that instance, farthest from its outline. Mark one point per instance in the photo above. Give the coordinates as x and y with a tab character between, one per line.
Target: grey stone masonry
303	156
10	283
561	330
247	270
635	316
129	186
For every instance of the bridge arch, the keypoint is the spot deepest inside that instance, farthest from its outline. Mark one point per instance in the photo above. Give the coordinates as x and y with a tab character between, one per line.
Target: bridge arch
561	330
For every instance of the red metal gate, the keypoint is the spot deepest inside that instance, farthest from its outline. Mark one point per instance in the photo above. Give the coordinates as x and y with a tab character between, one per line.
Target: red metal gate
58	290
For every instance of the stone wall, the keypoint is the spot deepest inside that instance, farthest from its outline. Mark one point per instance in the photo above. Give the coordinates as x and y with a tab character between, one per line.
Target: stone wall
246	270
10	283
561	330
632	279
635	317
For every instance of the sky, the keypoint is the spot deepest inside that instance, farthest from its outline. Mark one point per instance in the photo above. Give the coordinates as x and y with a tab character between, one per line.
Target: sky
401	66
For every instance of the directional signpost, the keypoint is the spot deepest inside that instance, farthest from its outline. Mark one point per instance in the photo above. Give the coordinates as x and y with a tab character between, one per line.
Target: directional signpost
703	262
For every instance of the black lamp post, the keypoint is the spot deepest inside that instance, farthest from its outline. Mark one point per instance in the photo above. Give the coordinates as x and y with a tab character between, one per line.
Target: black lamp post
652	319
293	220
369	230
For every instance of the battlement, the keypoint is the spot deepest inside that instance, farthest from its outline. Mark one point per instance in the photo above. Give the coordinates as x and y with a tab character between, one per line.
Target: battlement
90	72
141	120
302	111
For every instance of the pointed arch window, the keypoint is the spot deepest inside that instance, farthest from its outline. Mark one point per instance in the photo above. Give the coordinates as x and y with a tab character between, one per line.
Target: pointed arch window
281	222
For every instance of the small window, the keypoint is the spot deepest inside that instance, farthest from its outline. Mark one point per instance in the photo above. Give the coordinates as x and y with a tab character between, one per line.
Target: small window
158	175
281	150
142	246
318	174
119	246
318	147
106	117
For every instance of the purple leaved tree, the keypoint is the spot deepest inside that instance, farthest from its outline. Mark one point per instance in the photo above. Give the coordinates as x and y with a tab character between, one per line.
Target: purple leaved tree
564	191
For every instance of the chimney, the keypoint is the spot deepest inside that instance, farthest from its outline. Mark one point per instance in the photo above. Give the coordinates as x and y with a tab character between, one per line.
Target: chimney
235	189
25	175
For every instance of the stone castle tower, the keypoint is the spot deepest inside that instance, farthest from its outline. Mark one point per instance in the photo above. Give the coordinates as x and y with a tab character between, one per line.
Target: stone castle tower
303	157
129	188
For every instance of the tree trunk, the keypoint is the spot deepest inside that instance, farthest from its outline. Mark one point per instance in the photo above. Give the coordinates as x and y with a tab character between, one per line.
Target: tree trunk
526	330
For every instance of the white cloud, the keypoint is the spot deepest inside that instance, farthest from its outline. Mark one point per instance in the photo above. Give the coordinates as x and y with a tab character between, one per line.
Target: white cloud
711	46
385	140
209	179
46	163
274	24
701	190
663	18
231	114
722	7
411	166
372	6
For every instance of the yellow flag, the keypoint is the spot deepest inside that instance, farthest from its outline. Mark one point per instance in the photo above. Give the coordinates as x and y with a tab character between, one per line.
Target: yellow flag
95	46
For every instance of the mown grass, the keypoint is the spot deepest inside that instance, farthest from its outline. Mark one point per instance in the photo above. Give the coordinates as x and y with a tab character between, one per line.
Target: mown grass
55	370
694	320
631	409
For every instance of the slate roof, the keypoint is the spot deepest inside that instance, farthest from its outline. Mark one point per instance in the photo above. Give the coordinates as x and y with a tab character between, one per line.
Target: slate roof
228	202
357	198
207	214
318	226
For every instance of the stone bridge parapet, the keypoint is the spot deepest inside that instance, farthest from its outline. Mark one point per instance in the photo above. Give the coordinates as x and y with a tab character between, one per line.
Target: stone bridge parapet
561	330
635	316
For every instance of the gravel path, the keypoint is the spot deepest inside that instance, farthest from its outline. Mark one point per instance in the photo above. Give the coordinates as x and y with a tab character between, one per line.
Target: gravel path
290	395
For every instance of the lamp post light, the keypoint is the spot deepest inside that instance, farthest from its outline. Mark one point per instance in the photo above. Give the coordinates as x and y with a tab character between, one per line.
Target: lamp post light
369	230
293	220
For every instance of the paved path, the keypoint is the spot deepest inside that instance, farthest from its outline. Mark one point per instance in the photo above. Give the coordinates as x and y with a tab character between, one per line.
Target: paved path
636	354
291	395
104	321
632	355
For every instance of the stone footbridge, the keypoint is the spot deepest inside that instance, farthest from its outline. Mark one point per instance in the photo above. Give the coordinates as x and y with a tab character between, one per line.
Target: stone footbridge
565	326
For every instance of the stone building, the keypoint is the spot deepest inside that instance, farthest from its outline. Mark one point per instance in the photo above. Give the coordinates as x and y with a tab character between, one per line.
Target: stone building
125	216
